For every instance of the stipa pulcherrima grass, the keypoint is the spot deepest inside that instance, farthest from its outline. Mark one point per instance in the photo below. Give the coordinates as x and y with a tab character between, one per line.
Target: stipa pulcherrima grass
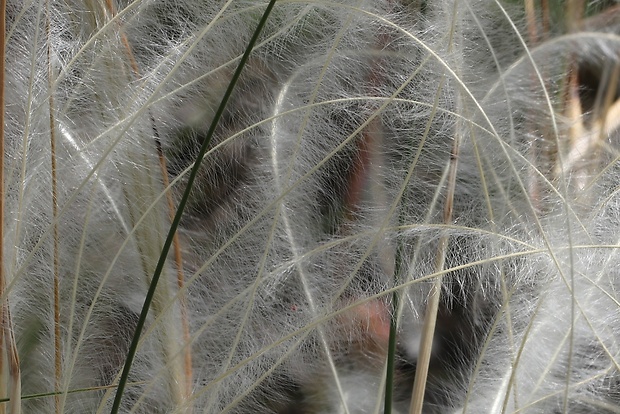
446	167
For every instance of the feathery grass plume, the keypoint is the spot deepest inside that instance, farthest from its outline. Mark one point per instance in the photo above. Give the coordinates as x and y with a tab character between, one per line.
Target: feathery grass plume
373	155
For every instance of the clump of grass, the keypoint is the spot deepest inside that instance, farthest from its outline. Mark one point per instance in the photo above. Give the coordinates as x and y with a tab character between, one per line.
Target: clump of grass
360	206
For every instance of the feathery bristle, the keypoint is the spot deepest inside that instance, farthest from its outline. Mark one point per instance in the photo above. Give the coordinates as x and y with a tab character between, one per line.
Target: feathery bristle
446	168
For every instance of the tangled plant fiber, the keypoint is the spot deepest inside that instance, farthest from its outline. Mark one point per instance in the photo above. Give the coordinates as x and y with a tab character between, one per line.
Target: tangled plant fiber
386	206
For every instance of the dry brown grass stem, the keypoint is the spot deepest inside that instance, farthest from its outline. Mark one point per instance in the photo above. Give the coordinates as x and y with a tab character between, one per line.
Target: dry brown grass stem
56	260
534	152
546	18
178	256
574	14
432	307
532	24
10	377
